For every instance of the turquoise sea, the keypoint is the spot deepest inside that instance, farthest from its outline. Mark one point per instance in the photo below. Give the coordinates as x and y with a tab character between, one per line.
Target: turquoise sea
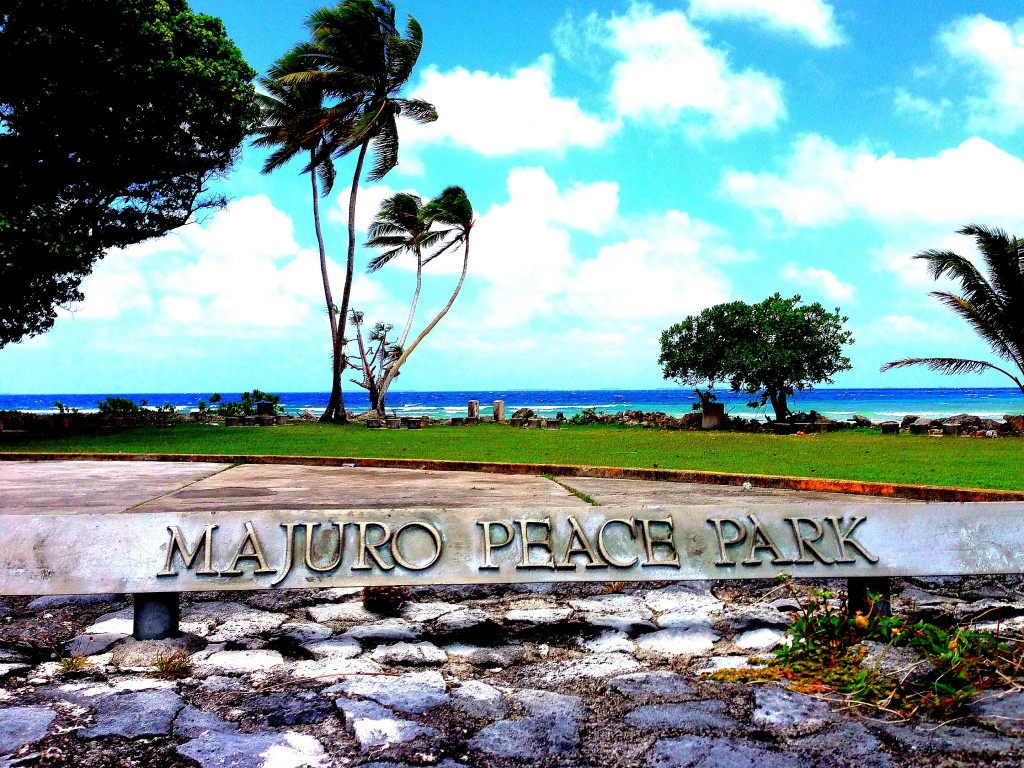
838	404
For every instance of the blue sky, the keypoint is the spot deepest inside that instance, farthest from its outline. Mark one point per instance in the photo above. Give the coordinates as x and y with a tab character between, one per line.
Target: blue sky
630	164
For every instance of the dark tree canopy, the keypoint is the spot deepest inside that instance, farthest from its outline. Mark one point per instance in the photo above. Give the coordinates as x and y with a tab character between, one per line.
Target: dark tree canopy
770	349
114	117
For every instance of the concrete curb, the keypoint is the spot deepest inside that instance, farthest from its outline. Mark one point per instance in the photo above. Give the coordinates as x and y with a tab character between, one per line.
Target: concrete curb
853	487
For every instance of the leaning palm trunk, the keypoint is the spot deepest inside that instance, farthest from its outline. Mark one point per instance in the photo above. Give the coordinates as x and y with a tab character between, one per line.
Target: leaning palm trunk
379	401
415	298
423	334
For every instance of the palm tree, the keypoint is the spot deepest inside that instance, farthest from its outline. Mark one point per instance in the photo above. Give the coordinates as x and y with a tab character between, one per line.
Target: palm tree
453	212
294	121
358	56
400	228
994	307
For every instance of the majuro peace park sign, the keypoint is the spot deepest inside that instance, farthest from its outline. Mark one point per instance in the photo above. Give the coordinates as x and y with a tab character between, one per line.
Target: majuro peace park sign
139	552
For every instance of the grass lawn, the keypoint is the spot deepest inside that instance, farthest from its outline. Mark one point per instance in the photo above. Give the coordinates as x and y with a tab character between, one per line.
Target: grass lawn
848	455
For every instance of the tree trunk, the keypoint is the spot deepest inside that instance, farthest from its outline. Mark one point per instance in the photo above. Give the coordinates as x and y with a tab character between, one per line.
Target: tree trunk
336	407
328	297
779	404
415	298
423	334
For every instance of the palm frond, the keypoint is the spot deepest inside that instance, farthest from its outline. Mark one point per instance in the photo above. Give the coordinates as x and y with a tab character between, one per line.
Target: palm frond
379	261
327	174
451	207
992	304
986	325
394	242
1004	258
417	110
381	233
385	148
950	366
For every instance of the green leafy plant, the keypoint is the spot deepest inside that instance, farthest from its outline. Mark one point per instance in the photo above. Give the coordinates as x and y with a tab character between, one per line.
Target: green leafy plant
233	408
824	655
770	350
118	406
245	407
250	399
586	416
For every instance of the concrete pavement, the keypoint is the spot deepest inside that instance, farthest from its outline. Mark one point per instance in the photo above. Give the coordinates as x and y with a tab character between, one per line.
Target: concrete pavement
82	487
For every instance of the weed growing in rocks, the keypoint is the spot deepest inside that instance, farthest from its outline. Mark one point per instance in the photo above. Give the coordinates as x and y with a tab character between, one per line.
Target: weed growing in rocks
76	662
830	654
172	665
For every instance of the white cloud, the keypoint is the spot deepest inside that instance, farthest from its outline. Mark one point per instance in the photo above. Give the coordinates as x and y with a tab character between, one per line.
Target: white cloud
667	71
812	19
992	52
905	103
181	309
900	261
818	280
525	255
897	255
824	183
114	286
496	115
522	248
894	327
239	273
368	200
642	279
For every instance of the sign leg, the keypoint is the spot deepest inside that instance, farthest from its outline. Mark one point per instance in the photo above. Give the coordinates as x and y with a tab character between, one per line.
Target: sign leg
156	615
857	595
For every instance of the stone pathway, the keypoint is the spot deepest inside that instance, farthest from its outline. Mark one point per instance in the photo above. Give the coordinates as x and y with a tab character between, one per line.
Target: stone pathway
464	676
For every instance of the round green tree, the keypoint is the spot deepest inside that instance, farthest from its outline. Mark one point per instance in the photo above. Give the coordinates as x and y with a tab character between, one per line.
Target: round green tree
115	117
769	350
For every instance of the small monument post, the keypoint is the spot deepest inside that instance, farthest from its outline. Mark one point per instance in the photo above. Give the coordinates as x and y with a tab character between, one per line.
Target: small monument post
499	410
157	615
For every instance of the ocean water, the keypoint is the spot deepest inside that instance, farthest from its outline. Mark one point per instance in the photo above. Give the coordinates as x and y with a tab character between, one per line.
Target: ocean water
838	404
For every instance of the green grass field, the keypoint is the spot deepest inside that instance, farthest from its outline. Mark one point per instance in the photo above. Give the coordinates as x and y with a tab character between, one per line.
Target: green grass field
848	455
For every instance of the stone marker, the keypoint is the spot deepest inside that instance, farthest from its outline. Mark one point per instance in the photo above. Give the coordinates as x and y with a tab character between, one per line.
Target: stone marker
499	410
171	552
712	416
473	411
